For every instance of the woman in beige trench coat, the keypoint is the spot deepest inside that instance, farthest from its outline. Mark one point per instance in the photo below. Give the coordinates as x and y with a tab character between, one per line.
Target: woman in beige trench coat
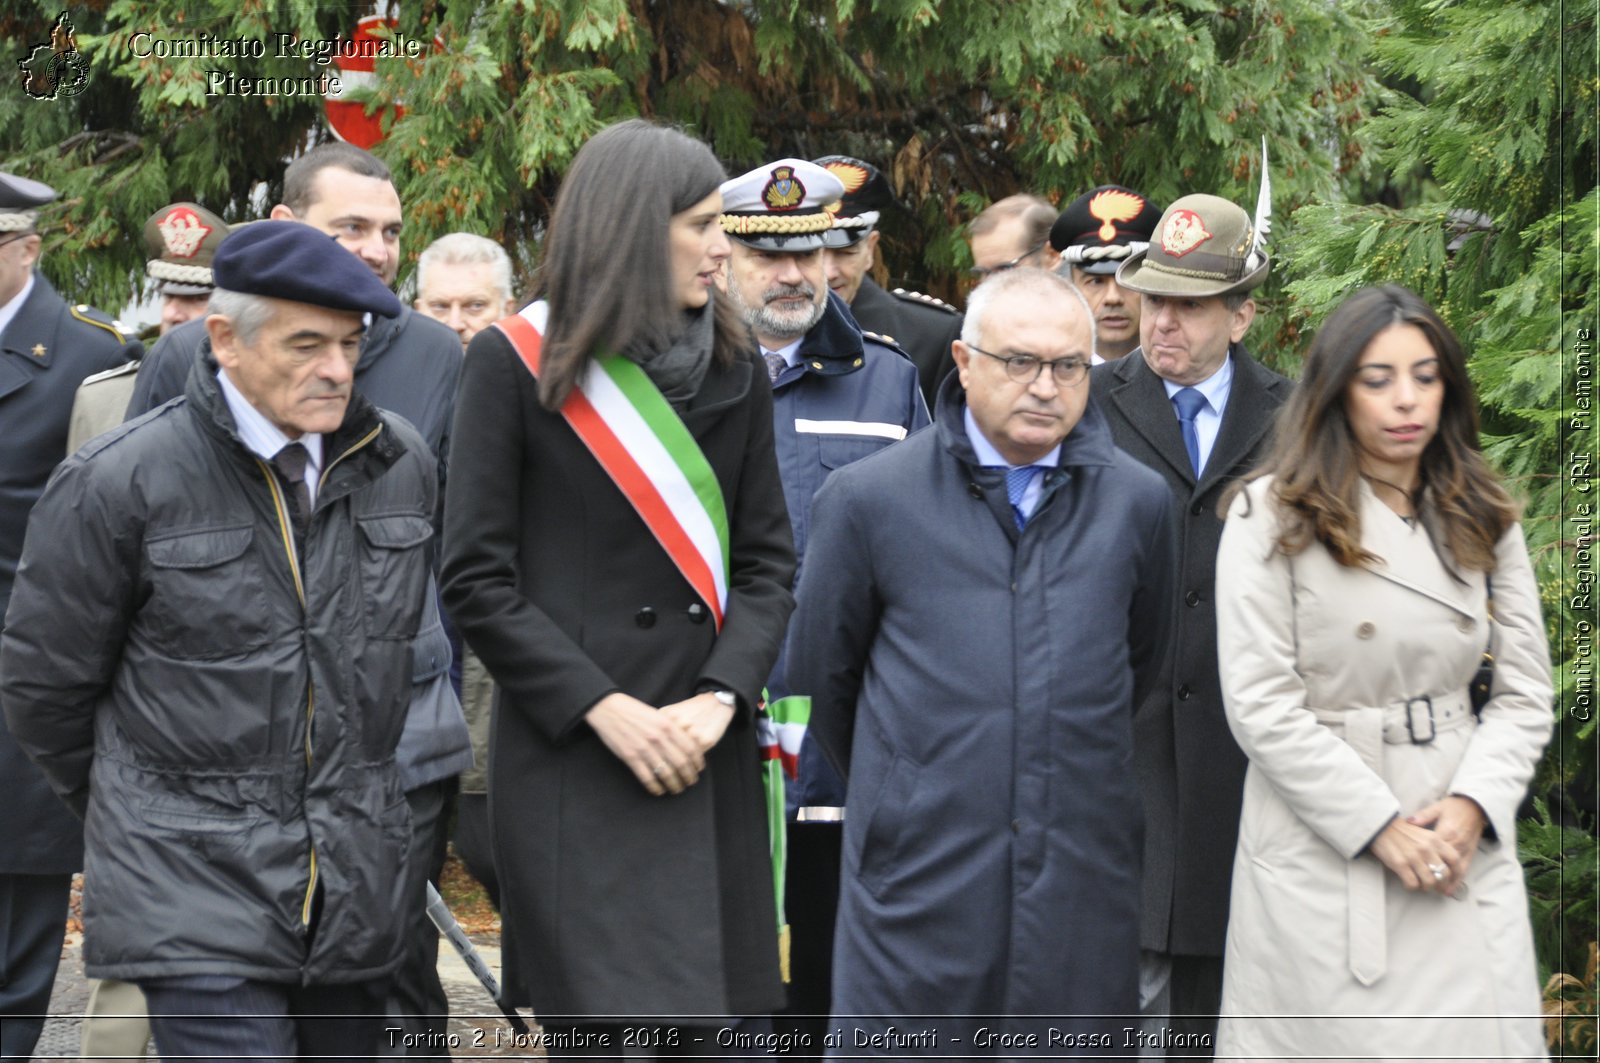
1378	909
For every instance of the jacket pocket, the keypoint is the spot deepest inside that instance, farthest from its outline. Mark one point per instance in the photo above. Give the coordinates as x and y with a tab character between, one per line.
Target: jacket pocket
207	593
835	452
886	817
394	573
208	828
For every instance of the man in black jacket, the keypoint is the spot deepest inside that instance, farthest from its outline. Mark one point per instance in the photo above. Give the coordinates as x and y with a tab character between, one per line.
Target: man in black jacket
1194	406
209	656
409	365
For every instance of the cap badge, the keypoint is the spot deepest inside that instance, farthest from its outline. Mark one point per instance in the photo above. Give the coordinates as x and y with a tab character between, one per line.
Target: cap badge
183	232
784	191
1185	231
1112	206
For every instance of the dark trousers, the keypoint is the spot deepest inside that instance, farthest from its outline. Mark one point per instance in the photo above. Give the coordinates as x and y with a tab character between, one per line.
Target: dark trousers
215	1017
417	1002
33	922
811	901
474	844
1196	1002
657	1039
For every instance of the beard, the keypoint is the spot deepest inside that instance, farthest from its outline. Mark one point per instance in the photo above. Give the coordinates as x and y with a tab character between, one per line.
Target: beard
776	322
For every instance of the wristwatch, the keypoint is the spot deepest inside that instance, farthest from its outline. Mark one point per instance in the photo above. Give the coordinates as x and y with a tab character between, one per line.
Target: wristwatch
727	697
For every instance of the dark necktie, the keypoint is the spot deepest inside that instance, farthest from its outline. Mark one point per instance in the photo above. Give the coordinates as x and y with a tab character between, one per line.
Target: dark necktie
291	465
1189	403
1017	481
775	365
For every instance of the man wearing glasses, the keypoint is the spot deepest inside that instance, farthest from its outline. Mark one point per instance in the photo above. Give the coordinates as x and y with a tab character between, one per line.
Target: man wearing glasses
1012	232
976	690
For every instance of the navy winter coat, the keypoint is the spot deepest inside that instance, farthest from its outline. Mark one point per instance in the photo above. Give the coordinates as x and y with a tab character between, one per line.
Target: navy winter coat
976	688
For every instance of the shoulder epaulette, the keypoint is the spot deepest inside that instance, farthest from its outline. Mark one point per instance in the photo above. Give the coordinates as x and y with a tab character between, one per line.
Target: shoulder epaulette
107	374
926	300
888	341
90	316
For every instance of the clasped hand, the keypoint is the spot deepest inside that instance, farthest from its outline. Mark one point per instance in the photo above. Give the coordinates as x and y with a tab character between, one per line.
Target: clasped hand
664	748
1442	836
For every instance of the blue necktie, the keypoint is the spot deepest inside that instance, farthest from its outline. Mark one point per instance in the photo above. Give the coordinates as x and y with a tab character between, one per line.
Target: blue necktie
775	365
1189	403
1017	481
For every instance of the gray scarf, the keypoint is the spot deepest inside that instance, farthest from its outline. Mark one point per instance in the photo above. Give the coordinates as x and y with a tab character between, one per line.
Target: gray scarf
679	369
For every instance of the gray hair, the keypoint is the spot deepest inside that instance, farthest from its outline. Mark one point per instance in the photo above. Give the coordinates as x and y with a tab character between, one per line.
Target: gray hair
248	313
1041	282
467	249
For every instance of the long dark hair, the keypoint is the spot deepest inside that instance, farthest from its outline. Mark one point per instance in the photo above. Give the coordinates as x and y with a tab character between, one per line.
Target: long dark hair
1313	458
607	268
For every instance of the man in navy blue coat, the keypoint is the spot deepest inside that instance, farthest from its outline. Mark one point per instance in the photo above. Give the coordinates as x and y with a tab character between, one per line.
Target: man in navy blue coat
47	348
979	611
837	396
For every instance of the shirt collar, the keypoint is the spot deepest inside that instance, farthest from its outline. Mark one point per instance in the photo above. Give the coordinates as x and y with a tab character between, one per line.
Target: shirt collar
9	311
989	456
790	352
263	437
1215	387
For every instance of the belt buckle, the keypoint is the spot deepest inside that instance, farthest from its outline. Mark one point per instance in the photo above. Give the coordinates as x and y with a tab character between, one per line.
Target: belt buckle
1411	730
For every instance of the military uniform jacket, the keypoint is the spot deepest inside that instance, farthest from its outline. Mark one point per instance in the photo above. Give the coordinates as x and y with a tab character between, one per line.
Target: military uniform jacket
1190	769
848	396
976	684
922	325
225	711
45	353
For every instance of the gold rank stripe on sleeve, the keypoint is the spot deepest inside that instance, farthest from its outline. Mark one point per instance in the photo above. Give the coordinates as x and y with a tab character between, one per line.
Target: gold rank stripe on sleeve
81	312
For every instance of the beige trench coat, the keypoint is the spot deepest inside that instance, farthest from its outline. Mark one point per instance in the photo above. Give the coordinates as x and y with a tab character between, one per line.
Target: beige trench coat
1327	954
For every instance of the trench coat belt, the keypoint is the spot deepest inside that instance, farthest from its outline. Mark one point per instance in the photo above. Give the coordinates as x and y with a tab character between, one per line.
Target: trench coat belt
819	814
1366	730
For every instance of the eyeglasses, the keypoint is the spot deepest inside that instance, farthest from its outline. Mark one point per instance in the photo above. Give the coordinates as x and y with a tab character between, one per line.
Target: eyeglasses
984	271
1025	368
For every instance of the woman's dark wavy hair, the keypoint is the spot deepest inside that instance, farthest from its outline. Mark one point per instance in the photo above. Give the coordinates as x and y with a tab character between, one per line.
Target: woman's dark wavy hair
1313	457
607	266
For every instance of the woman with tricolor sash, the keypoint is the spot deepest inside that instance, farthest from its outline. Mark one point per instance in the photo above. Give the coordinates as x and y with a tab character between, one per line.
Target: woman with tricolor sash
618	554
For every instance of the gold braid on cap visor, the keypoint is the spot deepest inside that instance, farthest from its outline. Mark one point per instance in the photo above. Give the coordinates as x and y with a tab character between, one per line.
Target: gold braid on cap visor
779	224
18	221
168	271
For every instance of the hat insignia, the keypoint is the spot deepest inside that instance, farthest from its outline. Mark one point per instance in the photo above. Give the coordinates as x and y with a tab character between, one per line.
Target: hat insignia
784	191
1185	231
1112	206
183	232
849	175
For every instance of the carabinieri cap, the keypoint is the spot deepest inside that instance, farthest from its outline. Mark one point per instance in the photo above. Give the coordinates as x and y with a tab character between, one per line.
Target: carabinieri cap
866	196
181	239
20	199
1103	227
781	206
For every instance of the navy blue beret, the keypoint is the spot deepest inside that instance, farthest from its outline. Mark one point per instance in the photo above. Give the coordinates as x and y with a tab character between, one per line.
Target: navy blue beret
291	260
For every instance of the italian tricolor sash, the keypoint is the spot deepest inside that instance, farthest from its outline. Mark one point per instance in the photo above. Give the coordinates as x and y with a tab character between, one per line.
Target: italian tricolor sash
644	447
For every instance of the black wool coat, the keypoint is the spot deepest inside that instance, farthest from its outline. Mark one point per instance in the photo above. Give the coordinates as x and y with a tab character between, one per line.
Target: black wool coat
1191	771
616	902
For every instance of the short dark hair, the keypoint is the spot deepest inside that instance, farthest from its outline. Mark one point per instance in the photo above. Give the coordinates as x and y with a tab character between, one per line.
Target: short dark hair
607	268
301	176
1314	456
1036	213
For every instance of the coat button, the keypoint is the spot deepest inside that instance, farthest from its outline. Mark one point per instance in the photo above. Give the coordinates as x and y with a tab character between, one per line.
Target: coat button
1366	629
1197	508
1016	825
975	491
1192	599
645	617
1184	693
697	613
1466	624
